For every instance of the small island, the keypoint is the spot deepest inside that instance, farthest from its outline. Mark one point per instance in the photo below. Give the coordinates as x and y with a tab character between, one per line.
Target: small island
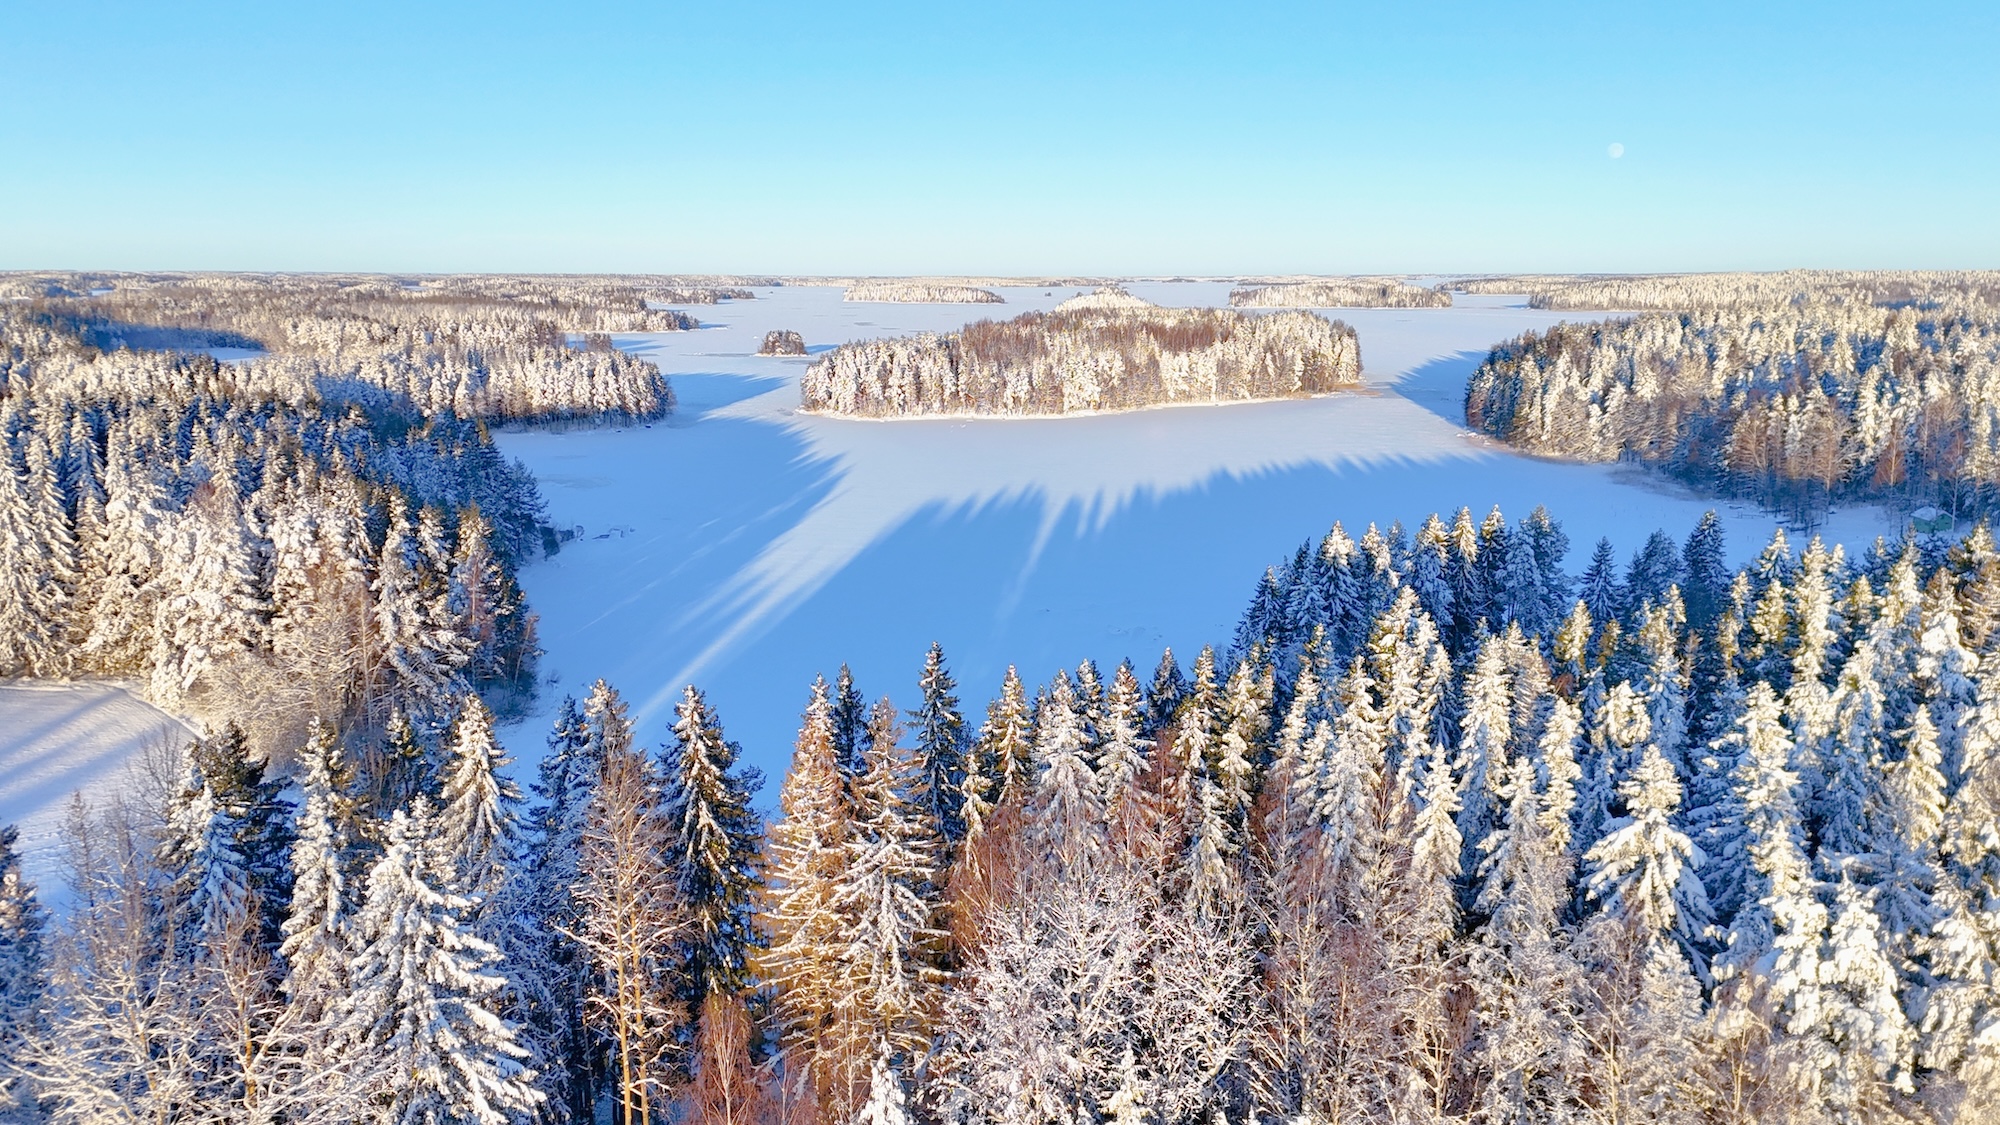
698	295
782	341
1086	359
1341	293
1106	297
921	293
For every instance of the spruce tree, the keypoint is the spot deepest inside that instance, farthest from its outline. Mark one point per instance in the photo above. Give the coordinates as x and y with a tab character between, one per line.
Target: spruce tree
477	820
850	723
23	974
716	840
423	993
941	741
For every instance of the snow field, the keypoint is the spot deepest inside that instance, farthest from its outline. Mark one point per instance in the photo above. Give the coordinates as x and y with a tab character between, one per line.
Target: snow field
56	739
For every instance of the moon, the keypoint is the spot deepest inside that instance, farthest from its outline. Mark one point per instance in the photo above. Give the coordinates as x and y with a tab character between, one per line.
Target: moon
1616	150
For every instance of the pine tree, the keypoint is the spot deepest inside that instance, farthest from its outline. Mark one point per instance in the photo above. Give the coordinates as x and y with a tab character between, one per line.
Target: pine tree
423	990
808	862
941	741
716	842
630	924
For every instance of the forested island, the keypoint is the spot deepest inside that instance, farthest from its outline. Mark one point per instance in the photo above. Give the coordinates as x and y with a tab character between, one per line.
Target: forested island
1817	399
921	293
698	295
1089	358
781	341
1337	293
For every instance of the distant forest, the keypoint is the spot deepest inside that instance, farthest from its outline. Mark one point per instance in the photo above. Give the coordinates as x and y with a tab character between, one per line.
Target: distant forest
322	530
1087	359
1688	292
921	293
1342	293
1799	403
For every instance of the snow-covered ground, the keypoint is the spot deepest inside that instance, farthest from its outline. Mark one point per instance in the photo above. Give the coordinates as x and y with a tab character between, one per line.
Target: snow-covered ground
745	547
61	738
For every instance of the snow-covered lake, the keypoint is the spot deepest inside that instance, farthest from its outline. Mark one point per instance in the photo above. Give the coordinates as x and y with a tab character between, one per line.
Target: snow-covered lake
744	547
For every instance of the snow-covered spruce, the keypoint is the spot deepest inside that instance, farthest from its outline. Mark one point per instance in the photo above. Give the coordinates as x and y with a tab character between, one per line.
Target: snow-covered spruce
921	293
782	341
1062	362
1341	293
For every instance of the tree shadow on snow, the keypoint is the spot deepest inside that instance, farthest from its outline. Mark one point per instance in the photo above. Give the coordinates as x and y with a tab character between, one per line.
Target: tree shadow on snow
1439	385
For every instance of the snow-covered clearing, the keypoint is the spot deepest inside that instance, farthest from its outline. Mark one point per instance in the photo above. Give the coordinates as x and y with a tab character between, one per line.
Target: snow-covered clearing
60	738
745	547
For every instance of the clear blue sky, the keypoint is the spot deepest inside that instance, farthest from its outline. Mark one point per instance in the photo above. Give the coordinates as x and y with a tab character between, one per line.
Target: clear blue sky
1001	137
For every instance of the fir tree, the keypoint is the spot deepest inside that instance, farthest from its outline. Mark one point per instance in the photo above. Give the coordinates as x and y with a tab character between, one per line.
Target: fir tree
850	723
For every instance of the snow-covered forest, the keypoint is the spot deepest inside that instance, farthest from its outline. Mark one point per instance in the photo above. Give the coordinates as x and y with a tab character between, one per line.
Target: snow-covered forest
323	530
1087	358
1448	833
1795	404
921	293
698	295
1342	293
1685	292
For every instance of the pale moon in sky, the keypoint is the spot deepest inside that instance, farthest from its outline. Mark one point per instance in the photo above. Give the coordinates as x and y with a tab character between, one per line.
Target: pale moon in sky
1616	150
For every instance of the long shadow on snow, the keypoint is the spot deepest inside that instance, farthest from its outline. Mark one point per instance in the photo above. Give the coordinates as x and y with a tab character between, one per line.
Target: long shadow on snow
1439	385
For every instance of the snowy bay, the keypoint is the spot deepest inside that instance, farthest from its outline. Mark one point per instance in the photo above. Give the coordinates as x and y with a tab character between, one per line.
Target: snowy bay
745	547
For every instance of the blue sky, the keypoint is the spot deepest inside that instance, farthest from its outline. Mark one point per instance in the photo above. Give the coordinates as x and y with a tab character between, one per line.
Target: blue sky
1007	138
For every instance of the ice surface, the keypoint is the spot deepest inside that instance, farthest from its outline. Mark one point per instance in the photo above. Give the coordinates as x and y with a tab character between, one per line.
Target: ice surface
764	546
60	738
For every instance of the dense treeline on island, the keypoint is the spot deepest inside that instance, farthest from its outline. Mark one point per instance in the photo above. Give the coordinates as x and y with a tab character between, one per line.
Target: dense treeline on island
325	529
781	341
1087	359
1341	293
922	293
1689	292
1797	404
1448	834
701	295
478	347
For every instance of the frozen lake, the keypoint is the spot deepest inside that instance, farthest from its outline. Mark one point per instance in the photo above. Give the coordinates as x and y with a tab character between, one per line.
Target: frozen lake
744	547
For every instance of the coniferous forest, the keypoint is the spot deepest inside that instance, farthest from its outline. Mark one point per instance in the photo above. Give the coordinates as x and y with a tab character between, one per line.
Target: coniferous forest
1798	390
1105	351
1449	831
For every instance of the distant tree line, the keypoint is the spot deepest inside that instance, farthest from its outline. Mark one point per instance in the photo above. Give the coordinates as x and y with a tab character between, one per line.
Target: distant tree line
1341	293
1087	359
1796	405
1688	292
921	293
